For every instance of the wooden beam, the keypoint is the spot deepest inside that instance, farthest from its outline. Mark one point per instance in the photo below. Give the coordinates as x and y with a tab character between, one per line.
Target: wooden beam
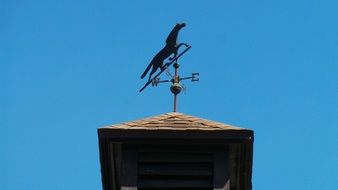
221	170
129	168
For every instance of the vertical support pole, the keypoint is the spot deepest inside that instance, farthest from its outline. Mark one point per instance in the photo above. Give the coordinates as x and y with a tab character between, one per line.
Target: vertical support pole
176	86
175	95
175	102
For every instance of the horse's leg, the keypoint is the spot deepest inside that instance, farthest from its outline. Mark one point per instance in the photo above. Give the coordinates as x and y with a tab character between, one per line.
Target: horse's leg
186	45
151	73
175	53
176	48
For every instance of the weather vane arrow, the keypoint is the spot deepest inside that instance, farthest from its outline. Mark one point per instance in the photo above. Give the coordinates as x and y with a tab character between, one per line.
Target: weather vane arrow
169	53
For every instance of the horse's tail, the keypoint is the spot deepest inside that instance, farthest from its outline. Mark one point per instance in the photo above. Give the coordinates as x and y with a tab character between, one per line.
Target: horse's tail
146	71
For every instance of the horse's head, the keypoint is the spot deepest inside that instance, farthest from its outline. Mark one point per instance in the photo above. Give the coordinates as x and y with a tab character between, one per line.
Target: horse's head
172	37
181	25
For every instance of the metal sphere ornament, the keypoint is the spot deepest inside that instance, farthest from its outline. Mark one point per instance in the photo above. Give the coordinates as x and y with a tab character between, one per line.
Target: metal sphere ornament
176	88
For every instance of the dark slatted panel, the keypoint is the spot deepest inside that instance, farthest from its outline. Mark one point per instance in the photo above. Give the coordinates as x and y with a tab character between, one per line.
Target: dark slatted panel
175	170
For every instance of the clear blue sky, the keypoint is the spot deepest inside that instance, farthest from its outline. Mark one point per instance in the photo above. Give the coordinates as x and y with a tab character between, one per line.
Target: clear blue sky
69	67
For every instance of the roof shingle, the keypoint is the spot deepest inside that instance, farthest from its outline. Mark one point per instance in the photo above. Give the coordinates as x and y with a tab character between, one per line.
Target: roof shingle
173	121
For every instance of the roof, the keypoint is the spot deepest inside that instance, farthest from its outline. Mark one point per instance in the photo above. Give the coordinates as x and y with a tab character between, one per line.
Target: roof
173	121
177	129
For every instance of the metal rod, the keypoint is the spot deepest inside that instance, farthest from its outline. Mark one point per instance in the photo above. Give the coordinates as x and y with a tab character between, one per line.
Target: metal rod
175	95
175	103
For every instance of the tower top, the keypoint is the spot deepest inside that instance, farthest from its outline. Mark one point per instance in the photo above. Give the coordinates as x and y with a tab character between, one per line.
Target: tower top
175	150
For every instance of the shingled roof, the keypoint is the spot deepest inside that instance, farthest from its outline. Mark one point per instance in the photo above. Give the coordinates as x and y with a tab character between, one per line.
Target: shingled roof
176	130
173	121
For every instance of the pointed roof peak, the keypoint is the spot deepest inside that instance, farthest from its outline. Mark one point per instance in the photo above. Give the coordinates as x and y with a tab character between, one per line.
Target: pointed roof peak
174	121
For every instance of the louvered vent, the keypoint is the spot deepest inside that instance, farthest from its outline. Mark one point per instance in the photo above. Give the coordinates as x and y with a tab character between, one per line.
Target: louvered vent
175	170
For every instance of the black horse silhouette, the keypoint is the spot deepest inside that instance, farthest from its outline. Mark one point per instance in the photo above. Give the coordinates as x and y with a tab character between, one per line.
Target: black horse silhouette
171	47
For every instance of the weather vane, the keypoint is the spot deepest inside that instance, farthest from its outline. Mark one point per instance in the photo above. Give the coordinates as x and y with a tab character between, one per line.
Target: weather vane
169	53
